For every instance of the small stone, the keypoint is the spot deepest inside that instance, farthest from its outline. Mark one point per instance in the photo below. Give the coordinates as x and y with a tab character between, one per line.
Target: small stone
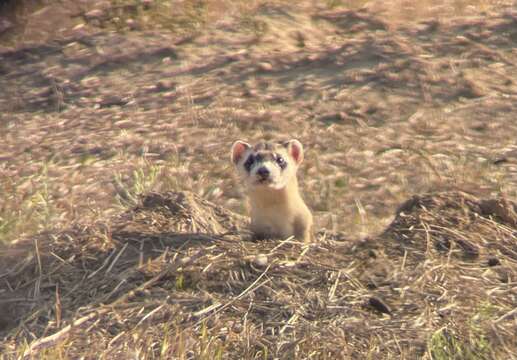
94	14
330	118
260	260
132	24
237	328
379	305
112	100
265	66
163	85
493	261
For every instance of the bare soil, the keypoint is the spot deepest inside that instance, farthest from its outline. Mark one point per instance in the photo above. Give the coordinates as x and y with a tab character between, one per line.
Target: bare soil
388	108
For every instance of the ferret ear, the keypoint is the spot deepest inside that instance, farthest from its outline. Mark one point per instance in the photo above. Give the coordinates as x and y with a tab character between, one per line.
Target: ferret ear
295	149
238	149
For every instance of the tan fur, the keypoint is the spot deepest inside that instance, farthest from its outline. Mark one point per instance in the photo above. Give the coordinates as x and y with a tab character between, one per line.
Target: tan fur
276	212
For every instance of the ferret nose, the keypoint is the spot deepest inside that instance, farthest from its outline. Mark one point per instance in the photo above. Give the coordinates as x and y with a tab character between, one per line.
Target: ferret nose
263	172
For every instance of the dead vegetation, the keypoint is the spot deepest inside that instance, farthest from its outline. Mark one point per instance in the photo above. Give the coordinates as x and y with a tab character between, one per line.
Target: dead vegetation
174	278
387	106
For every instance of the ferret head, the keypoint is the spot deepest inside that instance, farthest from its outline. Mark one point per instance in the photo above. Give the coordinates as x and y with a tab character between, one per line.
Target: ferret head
267	165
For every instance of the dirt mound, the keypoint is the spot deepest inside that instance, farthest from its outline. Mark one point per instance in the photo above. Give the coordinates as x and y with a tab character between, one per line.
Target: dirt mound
179	213
455	223
172	277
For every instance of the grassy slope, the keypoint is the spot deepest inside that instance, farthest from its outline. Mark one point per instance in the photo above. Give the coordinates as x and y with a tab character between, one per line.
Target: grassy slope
385	110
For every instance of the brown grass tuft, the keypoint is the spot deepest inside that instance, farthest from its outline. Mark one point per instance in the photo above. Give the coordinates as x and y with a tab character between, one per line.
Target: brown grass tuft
172	277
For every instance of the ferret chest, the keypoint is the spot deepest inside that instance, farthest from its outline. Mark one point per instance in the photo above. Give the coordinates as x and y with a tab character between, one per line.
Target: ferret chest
275	221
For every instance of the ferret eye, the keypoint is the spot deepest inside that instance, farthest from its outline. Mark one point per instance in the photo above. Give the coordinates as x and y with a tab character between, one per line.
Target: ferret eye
281	162
249	163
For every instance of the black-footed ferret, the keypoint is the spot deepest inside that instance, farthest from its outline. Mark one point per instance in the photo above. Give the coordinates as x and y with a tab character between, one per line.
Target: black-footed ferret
269	173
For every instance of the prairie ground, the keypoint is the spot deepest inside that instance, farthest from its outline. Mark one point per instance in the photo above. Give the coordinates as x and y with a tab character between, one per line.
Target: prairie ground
395	104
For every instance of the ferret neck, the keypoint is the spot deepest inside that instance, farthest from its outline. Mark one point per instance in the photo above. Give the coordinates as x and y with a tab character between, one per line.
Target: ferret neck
264	197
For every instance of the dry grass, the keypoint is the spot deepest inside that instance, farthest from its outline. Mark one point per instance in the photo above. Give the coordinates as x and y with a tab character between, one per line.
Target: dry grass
173	278
386	107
